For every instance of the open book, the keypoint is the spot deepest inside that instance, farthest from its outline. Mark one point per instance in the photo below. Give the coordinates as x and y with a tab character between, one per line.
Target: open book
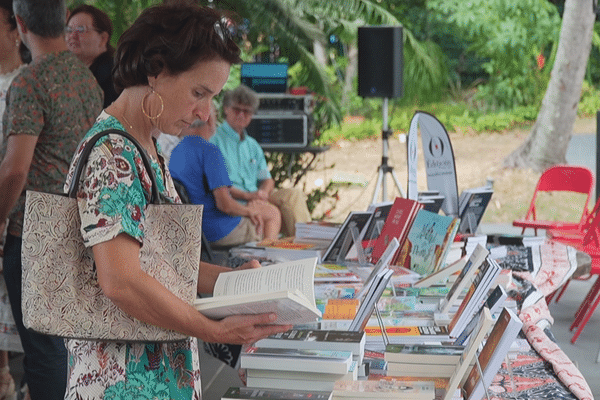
286	289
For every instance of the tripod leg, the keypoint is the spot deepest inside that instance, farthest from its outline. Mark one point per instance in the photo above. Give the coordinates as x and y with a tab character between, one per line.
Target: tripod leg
397	182
377	185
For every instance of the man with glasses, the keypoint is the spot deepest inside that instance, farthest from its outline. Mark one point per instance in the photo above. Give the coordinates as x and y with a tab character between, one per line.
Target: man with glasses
246	163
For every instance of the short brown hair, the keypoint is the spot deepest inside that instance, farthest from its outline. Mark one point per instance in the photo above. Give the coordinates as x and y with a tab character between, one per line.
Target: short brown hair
171	37
100	19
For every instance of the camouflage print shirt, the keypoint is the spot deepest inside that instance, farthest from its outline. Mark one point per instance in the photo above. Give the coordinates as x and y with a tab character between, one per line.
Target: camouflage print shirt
57	99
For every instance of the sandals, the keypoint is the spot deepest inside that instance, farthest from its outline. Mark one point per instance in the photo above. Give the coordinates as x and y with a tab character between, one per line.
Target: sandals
7	384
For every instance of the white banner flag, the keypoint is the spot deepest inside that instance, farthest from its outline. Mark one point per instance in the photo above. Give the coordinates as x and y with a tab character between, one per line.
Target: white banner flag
439	160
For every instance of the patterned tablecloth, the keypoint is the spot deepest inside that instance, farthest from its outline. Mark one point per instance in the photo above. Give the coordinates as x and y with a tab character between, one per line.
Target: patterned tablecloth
546	372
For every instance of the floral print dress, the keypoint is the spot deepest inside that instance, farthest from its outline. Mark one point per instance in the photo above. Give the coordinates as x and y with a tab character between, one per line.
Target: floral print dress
112	196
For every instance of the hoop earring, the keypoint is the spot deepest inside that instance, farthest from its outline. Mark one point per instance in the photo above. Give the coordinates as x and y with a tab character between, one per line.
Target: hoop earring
162	104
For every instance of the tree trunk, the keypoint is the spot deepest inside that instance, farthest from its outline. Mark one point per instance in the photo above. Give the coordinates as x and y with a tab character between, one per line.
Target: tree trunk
549	139
351	71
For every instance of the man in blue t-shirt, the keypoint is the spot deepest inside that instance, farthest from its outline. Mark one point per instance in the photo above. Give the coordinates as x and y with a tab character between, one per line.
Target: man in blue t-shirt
246	163
200	167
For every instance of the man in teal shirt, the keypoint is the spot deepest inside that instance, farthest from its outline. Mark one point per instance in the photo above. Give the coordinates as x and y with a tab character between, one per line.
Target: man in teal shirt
246	163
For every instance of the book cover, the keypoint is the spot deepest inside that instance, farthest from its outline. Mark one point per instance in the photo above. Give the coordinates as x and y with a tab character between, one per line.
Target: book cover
472	205
428	241
494	351
335	273
408	334
464	278
484	324
353	341
514	257
441	275
494	303
286	289
420	370
476	296
370	299
343	240
340	309
423	354
374	228
384	389
332	362
245	393
396	225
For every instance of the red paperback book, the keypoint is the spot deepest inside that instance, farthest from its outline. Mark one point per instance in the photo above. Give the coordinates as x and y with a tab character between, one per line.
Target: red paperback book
397	225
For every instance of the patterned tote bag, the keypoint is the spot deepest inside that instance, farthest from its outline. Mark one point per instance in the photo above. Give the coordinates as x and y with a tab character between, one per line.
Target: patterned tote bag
61	294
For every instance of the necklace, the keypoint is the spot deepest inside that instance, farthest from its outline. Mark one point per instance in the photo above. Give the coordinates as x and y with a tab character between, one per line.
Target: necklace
128	123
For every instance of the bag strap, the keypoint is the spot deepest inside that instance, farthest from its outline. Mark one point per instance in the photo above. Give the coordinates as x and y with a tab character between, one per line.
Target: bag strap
81	163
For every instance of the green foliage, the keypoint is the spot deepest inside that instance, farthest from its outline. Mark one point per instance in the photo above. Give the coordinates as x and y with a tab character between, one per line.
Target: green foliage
121	12
589	104
510	34
453	116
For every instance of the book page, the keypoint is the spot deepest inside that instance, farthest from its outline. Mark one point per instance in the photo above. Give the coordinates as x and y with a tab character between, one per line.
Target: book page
290	275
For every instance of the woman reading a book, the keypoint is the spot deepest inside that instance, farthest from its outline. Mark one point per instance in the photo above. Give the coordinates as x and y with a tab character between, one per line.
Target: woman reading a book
168	66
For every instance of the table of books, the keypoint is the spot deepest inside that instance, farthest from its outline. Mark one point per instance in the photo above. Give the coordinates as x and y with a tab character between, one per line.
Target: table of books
542	370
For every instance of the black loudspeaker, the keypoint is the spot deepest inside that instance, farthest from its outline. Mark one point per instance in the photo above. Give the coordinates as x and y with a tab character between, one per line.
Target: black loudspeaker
380	61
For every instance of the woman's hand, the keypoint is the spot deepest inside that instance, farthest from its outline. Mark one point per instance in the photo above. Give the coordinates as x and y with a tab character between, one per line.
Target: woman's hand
250	265
246	329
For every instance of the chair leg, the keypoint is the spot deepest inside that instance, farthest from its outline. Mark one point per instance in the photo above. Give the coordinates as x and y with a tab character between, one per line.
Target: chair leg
588	314
581	311
562	291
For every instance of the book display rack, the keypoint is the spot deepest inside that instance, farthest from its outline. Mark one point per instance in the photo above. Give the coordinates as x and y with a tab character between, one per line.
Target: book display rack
488	345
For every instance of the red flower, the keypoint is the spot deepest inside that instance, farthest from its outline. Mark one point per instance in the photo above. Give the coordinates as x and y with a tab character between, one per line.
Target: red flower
541	60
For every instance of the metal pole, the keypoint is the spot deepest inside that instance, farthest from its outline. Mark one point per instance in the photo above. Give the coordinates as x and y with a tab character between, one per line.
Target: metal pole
385	157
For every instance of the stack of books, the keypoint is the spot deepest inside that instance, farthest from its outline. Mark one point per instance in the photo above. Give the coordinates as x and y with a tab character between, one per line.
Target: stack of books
316	230
333	340
476	296
297	369
245	393
289	249
384	389
422	360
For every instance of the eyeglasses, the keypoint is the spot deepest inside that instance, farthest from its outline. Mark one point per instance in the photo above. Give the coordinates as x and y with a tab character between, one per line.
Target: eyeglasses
246	111
79	29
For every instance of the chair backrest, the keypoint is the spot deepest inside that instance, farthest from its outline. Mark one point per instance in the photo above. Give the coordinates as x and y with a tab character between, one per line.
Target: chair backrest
569	178
591	240
564	178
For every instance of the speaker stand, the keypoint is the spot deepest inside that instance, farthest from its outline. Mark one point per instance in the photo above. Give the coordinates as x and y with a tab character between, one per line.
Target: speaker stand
385	168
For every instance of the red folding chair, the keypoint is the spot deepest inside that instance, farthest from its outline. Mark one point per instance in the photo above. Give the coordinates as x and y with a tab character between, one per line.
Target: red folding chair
573	237
559	178
591	246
